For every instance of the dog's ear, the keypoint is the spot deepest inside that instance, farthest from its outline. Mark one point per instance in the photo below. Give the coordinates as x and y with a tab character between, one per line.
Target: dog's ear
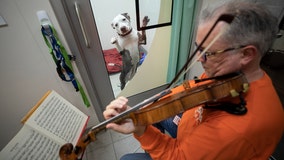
126	15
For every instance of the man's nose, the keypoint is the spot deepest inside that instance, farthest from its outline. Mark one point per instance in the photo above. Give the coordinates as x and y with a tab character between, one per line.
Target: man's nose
202	59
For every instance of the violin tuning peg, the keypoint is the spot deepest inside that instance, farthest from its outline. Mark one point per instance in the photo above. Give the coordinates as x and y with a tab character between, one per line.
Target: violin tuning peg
245	87
234	93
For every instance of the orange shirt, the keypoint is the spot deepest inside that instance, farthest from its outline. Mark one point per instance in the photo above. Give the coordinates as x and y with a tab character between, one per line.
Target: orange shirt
210	134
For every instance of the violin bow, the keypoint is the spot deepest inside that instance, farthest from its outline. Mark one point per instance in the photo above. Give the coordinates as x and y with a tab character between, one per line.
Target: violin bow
68	151
225	17
228	18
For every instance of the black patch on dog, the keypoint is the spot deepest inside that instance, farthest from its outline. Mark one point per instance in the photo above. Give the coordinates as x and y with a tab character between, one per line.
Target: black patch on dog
126	67
126	15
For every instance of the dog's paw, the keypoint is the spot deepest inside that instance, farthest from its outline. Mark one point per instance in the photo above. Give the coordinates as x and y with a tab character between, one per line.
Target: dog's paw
113	40
145	21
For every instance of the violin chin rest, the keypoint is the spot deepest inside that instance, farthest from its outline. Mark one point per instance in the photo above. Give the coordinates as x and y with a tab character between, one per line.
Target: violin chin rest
236	109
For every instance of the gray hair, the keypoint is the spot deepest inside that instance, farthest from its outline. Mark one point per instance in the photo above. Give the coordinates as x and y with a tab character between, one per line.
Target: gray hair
253	24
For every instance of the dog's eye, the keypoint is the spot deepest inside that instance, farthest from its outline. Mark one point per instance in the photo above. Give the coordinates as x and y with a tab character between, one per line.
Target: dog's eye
116	24
124	19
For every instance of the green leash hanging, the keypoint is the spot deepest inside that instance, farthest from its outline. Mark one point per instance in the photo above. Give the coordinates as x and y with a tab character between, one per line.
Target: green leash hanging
62	59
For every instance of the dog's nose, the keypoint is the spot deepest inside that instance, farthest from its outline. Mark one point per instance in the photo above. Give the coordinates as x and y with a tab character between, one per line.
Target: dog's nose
123	29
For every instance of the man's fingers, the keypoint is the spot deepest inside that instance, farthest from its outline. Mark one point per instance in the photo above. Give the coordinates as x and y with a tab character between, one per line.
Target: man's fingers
125	127
115	107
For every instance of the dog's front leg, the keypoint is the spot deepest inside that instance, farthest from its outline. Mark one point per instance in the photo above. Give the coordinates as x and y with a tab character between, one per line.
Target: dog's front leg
115	42
142	36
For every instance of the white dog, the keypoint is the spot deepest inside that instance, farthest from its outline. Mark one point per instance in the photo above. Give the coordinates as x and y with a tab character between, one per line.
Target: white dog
127	43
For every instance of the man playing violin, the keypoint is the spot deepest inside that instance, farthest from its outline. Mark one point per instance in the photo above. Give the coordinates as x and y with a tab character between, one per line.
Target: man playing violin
216	134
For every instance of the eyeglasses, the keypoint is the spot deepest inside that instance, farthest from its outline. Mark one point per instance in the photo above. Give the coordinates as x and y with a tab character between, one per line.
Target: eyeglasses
208	53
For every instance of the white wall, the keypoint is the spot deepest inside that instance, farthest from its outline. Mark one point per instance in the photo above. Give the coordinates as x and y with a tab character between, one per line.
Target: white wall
104	14
26	67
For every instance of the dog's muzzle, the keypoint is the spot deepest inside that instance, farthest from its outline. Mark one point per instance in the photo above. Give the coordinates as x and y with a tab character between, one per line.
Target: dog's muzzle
124	31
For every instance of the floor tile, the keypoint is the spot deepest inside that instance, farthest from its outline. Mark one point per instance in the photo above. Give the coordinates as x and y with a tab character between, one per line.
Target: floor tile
103	153
115	83
111	145
126	145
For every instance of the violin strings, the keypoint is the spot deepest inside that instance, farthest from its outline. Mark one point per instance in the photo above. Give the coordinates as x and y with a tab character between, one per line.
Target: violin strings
184	71
136	107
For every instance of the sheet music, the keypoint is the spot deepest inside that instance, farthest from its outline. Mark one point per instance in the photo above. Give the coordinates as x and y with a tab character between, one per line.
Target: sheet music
30	145
49	124
59	118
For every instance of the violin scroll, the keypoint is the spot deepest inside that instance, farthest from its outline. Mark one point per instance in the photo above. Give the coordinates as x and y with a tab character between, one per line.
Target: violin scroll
66	152
69	152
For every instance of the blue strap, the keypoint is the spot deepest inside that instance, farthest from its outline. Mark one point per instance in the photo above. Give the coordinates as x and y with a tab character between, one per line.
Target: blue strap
61	59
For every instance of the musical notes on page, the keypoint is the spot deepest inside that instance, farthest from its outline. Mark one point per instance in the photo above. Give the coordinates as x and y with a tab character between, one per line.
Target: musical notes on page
47	126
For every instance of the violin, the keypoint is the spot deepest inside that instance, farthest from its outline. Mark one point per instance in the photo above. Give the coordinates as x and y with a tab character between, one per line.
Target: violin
174	100
164	105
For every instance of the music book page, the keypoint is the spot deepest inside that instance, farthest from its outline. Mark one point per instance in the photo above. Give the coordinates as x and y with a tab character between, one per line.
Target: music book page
50	124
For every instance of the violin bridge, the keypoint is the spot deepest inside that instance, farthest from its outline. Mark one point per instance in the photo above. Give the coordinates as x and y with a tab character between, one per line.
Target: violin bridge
186	85
245	87
234	93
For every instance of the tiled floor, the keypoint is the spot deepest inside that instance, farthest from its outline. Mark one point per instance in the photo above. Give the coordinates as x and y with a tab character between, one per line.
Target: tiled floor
111	145
115	83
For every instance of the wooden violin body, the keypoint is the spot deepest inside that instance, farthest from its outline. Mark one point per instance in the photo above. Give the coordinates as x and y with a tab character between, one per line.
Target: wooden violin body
186	98
179	100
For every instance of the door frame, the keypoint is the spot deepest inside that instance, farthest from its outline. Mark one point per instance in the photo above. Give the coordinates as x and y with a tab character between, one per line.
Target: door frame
89	57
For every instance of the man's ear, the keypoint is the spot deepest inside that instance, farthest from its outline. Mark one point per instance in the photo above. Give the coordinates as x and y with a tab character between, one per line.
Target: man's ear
249	53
